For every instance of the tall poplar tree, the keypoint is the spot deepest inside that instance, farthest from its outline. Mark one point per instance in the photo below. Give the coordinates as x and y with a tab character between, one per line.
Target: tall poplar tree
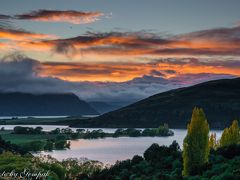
213	143
196	145
230	135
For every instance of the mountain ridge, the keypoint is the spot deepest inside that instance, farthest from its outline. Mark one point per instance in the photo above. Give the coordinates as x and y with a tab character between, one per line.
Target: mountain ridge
47	104
103	107
220	100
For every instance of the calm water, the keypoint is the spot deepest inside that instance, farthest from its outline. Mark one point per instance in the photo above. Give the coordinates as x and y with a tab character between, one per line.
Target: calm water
24	117
109	150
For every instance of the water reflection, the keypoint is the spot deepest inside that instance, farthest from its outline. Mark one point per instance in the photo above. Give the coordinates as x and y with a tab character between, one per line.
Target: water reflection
109	150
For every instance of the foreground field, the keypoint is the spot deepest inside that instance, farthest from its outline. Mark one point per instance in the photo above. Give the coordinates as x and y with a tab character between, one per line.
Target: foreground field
25	138
36	142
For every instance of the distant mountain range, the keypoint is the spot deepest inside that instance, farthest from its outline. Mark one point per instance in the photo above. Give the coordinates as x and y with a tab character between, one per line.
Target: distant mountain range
104	107
220	100
25	104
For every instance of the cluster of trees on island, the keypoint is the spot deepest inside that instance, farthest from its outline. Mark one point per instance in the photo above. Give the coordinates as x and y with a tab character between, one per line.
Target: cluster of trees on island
58	142
59	138
162	130
202	157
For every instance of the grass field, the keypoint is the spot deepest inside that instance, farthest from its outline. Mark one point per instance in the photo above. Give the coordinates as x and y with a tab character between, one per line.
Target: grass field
24	138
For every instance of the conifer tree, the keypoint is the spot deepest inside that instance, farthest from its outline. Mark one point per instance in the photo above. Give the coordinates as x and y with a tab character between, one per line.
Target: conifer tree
196	145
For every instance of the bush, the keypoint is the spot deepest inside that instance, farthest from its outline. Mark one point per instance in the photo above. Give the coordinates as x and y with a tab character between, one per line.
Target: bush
34	146
49	145
27	130
229	151
62	144
136	159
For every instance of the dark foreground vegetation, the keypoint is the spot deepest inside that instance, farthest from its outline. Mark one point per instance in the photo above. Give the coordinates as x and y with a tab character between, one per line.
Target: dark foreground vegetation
158	162
202	157
161	162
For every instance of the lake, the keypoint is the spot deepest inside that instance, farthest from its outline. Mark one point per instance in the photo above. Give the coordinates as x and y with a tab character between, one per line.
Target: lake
24	117
109	150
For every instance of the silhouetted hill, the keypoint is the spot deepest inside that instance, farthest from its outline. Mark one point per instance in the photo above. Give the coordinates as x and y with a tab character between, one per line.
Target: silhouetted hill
103	107
220	100
24	104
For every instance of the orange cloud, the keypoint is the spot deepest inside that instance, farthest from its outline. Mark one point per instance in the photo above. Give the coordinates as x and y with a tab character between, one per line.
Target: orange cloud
129	46
6	46
70	16
2	45
206	43
19	35
121	72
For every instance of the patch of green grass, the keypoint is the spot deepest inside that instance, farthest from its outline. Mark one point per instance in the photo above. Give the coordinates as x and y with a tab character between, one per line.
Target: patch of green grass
24	138
5	132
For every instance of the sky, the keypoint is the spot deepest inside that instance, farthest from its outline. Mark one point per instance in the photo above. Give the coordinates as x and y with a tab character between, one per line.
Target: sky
116	50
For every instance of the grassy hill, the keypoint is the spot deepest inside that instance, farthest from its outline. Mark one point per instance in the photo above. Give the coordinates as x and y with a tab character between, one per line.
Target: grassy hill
103	107
220	100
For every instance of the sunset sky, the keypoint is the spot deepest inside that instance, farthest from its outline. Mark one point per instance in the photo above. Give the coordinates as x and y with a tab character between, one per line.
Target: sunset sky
114	49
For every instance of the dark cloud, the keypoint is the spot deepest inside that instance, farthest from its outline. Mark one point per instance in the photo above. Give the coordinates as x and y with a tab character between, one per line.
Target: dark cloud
230	63
162	73
3	16
20	73
227	34
5	21
117	43
70	16
169	71
157	73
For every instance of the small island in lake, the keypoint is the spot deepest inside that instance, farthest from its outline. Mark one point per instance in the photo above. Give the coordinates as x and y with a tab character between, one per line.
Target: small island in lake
35	139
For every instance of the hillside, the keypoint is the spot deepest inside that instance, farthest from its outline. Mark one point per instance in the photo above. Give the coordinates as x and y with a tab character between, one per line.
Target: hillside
220	100
103	107
24	104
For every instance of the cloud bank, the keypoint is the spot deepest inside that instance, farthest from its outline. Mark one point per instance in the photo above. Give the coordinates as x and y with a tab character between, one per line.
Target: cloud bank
121	72
23	74
213	42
